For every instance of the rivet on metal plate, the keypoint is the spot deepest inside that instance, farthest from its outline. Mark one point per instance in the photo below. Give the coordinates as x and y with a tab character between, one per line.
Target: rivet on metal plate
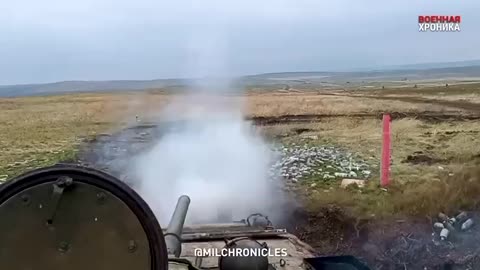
101	197
63	247
132	246
25	199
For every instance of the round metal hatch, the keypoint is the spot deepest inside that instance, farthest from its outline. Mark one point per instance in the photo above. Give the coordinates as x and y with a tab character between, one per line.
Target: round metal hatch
77	218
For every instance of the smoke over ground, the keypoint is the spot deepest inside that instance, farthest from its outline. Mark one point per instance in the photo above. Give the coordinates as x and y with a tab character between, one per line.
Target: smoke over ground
213	156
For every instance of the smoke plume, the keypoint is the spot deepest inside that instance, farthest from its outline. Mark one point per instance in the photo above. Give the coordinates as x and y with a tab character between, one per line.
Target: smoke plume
208	151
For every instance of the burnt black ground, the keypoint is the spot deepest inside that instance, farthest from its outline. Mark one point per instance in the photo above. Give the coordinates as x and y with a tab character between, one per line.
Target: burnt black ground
115	154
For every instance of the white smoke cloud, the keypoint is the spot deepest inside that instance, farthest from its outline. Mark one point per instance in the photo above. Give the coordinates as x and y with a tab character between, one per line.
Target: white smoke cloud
215	157
218	161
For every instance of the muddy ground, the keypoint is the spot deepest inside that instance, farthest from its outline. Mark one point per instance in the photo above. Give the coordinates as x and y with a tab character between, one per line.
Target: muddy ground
393	244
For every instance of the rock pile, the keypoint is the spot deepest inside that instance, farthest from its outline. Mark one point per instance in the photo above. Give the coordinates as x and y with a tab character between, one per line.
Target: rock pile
446	226
113	153
326	162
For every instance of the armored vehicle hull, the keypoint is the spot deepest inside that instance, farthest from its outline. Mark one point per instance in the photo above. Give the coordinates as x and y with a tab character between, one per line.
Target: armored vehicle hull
73	217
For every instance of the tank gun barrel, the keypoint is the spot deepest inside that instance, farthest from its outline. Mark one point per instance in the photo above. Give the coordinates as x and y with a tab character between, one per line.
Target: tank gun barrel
175	227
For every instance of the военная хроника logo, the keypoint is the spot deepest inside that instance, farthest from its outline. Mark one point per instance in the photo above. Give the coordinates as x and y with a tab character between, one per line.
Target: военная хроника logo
439	23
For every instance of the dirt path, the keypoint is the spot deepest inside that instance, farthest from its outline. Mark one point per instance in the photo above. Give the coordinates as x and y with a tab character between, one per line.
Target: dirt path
402	96
429	116
113	152
458	104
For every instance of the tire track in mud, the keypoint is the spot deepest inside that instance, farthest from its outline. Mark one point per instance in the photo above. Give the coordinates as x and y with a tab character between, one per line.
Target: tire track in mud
113	152
464	105
116	154
428	116
457	104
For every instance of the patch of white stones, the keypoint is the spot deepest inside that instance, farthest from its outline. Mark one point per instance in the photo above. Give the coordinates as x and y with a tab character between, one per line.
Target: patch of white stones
326	162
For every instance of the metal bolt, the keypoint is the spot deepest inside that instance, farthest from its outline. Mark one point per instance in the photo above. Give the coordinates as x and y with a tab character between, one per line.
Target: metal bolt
63	247
101	197
25	199
64	181
132	246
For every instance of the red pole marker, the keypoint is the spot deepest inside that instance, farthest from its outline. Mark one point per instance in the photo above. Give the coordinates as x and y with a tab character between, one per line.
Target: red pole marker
386	144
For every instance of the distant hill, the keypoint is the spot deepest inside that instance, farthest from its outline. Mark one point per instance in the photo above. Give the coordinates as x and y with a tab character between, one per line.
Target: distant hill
434	65
398	74
463	70
86	86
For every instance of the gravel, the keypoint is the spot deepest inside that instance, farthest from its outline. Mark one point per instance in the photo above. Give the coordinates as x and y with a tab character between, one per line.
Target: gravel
293	162
297	162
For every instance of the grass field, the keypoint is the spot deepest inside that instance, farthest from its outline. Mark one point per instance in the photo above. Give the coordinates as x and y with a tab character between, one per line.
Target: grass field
39	131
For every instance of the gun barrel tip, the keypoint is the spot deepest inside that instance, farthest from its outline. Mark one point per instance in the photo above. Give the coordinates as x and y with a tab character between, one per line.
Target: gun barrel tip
184	197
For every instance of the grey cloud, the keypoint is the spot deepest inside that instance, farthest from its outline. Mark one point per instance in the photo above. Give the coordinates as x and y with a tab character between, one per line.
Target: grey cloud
52	40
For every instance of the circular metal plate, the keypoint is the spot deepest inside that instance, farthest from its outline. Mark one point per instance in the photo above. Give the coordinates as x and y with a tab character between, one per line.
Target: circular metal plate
77	218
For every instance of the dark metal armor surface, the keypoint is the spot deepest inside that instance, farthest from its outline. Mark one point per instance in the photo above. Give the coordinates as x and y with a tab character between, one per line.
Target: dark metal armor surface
76	218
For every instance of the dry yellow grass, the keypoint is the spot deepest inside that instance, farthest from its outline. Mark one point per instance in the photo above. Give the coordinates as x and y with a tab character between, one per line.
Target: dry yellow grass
41	124
38	131
300	103
450	143
473	98
453	146
413	199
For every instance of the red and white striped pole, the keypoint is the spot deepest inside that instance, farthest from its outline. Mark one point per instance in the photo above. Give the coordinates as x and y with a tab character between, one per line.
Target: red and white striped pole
386	148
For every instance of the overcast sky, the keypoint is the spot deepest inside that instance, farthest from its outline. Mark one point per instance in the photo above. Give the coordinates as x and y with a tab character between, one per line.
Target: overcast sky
54	40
